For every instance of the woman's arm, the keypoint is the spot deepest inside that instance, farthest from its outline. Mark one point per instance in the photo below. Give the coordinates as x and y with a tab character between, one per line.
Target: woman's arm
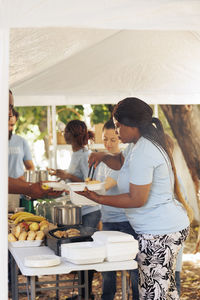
65	175
137	197
113	161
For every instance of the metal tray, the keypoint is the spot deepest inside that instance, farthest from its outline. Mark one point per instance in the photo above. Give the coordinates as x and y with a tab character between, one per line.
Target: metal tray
55	243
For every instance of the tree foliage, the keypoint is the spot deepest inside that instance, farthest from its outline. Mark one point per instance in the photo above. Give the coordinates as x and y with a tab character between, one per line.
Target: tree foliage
69	112
101	113
32	115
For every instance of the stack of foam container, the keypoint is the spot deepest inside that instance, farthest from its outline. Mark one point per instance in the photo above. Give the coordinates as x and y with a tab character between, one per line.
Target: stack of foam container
119	246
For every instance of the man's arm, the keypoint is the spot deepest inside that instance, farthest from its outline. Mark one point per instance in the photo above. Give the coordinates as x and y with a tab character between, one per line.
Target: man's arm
29	165
33	190
18	186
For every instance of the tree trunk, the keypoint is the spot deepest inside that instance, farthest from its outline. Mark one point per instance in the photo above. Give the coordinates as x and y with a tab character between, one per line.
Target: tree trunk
185	124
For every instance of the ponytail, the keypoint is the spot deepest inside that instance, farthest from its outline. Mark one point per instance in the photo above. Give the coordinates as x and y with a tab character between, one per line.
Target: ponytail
157	135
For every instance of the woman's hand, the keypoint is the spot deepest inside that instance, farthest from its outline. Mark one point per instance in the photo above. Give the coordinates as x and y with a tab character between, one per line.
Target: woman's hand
51	171
90	195
62	174
95	158
59	173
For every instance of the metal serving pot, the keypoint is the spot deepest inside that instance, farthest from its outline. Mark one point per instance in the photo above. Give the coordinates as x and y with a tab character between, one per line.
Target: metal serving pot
35	176
67	215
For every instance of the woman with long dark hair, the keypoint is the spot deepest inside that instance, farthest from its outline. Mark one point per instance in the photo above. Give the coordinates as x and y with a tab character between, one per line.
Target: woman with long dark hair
150	194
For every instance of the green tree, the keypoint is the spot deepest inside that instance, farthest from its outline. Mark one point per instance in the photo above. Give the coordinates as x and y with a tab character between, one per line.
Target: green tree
69	112
101	113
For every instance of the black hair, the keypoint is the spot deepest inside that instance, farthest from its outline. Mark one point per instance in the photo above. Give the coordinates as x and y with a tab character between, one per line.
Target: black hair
15	113
79	131
134	112
109	125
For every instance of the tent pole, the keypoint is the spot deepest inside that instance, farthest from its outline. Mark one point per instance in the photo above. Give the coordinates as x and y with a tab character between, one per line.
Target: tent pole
4	67
49	135
54	151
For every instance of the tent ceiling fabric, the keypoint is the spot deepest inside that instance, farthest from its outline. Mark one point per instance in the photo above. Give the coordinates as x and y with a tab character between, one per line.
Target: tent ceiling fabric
65	65
107	14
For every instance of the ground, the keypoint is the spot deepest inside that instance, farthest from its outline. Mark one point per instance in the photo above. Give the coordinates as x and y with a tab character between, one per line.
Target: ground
190	277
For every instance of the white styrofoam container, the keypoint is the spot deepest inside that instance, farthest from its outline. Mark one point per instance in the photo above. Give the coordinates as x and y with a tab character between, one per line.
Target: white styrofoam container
119	246
121	251
79	187
112	236
83	252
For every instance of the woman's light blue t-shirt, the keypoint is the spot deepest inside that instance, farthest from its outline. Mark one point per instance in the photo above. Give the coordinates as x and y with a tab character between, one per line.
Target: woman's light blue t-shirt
145	164
109	213
79	167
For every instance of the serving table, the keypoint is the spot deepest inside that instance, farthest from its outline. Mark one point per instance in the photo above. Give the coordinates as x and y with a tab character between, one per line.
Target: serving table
17	260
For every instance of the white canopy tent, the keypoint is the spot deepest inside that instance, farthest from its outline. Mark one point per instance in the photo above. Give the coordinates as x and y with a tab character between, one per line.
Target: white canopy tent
73	51
65	65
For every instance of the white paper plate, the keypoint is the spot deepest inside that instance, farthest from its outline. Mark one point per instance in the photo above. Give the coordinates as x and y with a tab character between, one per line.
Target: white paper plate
41	261
22	244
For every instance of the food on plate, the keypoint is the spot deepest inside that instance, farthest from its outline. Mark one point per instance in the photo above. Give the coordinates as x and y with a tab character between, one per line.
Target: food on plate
72	232
87	179
93	181
44	225
25	216
17	230
31	235
34	226
60	234
11	238
14	216
29	231
39	235
23	235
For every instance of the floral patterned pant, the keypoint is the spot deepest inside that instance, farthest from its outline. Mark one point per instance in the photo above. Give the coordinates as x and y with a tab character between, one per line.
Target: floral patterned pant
156	264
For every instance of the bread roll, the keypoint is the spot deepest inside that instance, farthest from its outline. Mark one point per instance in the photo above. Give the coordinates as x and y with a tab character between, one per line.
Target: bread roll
39	235
23	236
11	238
17	230
31	235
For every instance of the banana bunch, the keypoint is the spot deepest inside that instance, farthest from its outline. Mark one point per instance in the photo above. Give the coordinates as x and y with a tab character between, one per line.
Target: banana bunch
14	216
26	216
